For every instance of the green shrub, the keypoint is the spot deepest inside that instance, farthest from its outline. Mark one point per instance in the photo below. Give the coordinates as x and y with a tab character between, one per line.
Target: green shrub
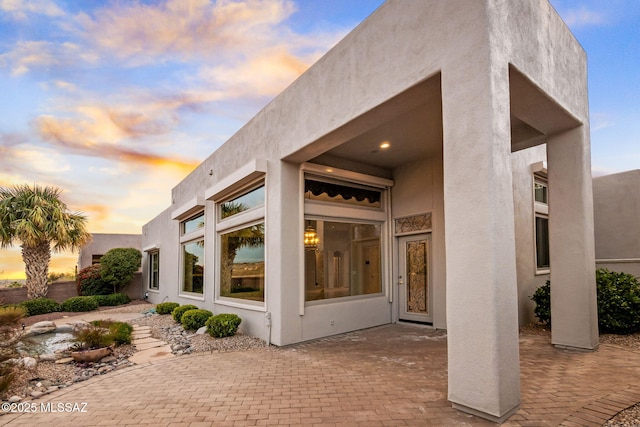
179	311
542	298
618	302
91	336
118	266
195	319
114	332
223	325
76	304
166	307
121	332
111	300
40	306
90	282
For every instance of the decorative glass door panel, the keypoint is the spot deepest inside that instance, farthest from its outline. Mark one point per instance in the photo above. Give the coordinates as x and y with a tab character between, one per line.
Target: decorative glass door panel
414	288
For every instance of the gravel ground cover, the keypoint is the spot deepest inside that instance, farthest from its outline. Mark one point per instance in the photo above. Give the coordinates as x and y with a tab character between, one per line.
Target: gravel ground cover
47	376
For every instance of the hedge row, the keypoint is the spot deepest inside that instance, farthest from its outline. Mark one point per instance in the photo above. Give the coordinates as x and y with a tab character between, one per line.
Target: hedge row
193	318
74	304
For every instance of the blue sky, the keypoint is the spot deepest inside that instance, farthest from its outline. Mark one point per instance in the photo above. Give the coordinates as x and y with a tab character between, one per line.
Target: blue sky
117	101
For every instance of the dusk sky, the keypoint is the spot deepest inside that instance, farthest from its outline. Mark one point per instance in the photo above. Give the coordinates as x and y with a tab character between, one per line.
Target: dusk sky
116	101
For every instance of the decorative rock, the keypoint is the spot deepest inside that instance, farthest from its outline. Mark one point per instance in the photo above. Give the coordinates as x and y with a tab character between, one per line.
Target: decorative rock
201	330
105	369
64	360
15	399
65	328
51	357
52	389
29	362
108	359
42	327
178	347
36	394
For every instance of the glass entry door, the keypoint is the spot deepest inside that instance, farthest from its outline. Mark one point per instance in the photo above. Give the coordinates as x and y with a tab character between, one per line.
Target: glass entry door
414	277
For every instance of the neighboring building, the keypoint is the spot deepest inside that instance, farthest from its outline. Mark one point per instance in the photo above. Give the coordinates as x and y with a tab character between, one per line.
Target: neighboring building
402	178
100	243
616	212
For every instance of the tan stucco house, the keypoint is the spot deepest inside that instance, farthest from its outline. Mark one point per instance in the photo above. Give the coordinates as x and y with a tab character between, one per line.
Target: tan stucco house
433	167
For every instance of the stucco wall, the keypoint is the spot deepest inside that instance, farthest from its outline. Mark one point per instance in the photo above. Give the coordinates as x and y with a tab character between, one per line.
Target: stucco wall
528	279
616	209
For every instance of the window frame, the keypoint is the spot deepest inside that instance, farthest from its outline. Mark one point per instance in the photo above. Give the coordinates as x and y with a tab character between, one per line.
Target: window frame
382	273
155	253
337	212
187	238
253	216
540	210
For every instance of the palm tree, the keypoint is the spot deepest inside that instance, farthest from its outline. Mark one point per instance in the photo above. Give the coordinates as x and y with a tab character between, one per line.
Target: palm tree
39	220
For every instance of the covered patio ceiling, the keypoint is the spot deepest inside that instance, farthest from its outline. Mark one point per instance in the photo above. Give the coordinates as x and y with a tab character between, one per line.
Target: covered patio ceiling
408	127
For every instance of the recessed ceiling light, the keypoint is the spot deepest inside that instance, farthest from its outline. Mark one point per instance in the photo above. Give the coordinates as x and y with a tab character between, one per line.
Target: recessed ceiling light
385	144
329	170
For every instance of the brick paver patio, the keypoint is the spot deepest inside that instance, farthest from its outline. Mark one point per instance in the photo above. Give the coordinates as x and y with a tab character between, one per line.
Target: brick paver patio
393	375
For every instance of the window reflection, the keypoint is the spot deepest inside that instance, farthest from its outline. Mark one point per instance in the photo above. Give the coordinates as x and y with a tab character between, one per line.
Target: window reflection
242	263
346	261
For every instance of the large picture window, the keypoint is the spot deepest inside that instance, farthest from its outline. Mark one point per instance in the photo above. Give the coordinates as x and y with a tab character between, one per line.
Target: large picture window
193	267
242	263
241	242
342	259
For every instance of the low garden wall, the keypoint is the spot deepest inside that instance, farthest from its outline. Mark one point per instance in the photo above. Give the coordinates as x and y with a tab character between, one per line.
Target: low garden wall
61	291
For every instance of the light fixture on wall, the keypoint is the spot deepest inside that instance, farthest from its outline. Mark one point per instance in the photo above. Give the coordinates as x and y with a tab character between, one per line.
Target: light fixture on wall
311	239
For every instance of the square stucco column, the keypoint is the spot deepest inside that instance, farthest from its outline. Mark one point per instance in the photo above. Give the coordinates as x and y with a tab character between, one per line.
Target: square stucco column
574	311
481	284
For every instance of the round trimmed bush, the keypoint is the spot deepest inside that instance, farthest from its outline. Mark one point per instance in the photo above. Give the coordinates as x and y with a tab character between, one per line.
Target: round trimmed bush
40	306
179	311
166	307
195	319
80	304
223	325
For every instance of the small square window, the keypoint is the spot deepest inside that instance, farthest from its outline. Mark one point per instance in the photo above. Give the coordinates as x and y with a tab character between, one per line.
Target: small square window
249	200
540	192
193	224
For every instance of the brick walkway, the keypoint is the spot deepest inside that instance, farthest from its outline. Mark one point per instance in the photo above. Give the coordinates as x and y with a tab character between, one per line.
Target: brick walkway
387	376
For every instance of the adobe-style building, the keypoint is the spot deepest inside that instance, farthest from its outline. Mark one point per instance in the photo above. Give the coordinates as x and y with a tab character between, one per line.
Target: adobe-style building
433	167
